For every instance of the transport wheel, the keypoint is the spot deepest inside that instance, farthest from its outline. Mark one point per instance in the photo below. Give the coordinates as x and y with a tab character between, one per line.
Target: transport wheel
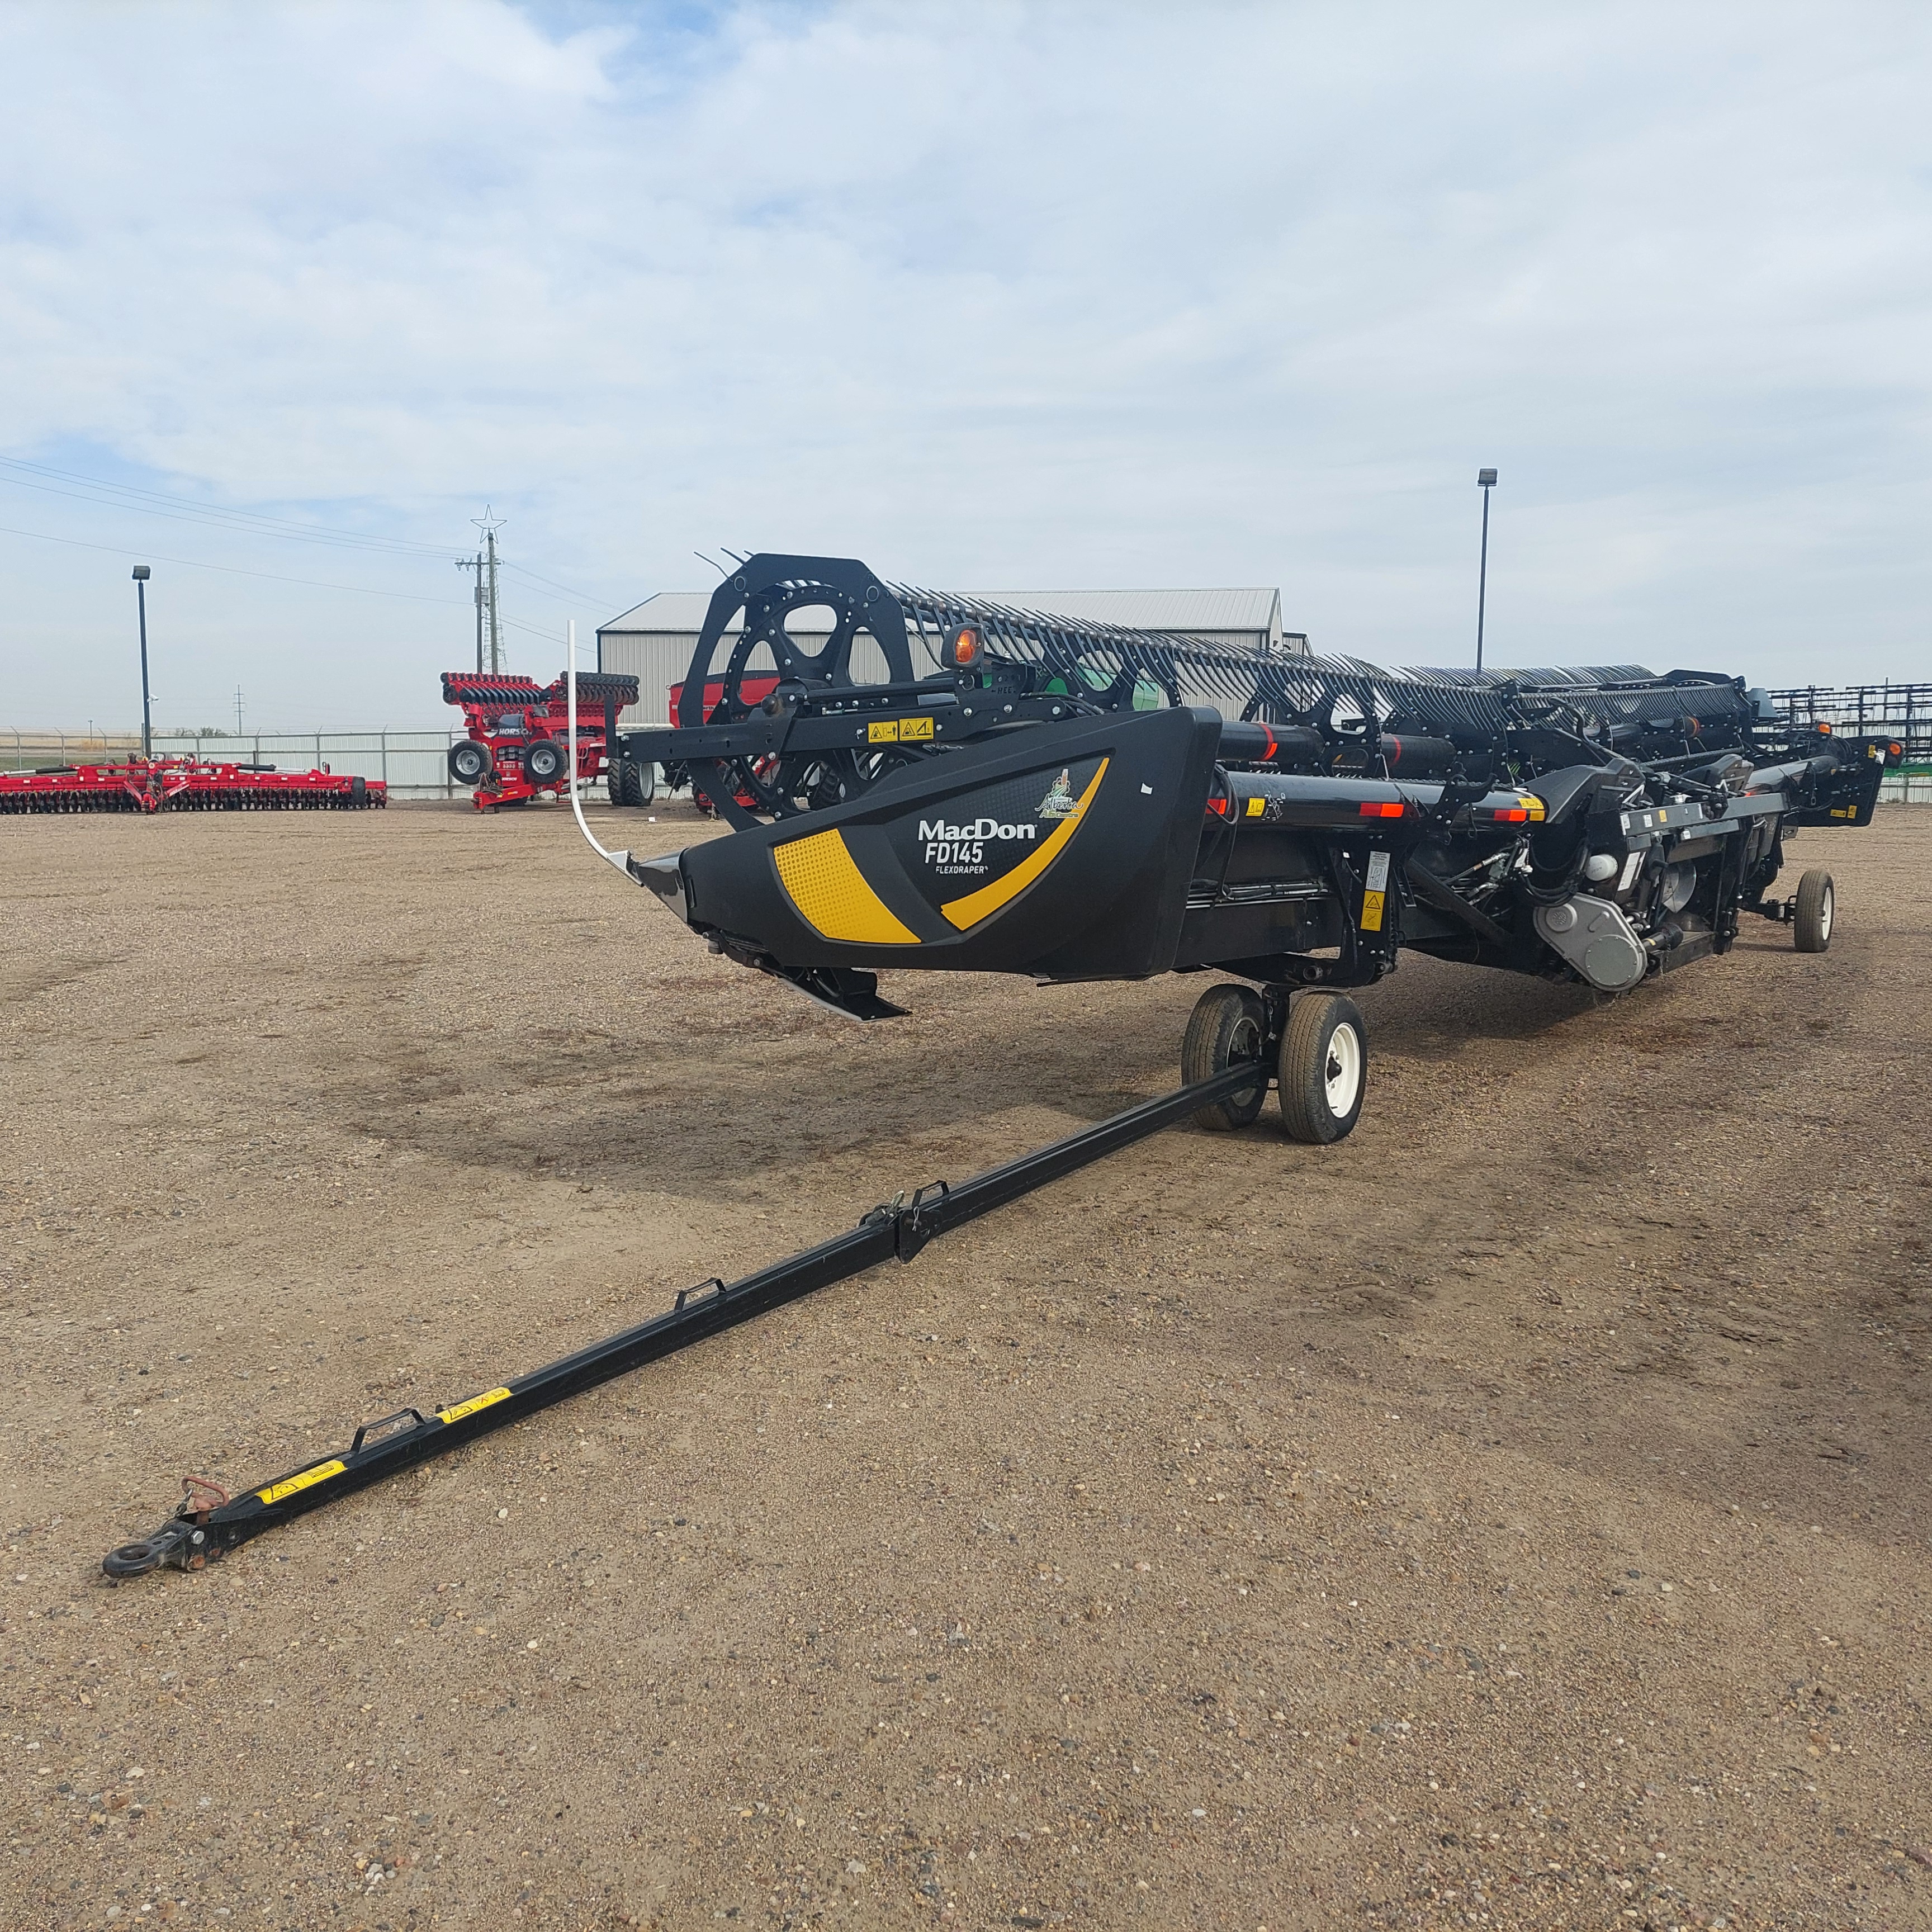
470	762
1324	1068
614	776
1228	1024
544	762
1811	917
359	794
644	784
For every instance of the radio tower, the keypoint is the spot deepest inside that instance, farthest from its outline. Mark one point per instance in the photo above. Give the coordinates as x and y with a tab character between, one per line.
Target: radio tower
486	584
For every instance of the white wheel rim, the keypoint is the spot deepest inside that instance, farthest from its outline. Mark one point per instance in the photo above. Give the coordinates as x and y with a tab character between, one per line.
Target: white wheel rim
1824	913
1341	1073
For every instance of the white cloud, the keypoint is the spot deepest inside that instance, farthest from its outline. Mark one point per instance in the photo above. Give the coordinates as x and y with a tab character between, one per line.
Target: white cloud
1084	294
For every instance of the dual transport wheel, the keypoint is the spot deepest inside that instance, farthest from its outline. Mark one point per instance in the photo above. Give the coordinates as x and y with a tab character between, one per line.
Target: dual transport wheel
1812	911
631	783
1321	1063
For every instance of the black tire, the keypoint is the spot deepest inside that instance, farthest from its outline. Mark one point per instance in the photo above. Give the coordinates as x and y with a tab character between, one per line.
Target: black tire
1812	916
471	761
633	789
644	784
359	794
616	777
1324	1069
1228	1024
545	761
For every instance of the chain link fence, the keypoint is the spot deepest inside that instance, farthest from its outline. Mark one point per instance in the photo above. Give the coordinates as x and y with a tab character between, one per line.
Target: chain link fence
412	764
415	764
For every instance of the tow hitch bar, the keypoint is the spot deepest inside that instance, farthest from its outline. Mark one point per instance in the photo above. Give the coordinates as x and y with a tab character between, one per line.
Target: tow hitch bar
208	1521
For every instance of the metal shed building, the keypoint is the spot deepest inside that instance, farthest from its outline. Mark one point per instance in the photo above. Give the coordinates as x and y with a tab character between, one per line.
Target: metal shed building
654	640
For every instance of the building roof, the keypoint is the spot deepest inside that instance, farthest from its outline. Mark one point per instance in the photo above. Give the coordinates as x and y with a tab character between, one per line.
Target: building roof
1180	612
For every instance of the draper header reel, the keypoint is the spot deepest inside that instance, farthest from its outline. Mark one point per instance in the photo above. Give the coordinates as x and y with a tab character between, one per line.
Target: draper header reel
1028	794
1040	796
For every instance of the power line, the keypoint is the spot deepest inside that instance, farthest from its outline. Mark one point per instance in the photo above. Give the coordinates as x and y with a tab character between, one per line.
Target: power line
251	523
550	583
186	509
232	570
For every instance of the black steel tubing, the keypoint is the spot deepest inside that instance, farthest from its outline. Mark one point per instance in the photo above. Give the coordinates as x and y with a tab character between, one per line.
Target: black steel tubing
190	1537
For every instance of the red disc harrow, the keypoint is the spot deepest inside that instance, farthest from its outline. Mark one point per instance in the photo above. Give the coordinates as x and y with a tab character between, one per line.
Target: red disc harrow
185	784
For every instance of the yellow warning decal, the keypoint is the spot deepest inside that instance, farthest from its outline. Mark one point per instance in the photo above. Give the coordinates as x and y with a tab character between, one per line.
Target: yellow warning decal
828	888
885	733
910	728
321	1473
988	899
899	730
470	1407
1375	898
1534	804
1256	806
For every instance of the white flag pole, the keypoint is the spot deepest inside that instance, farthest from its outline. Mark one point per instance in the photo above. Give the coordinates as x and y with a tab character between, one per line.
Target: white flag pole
622	860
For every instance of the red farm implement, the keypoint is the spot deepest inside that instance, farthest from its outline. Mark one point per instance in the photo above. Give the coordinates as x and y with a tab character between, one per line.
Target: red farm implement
519	741
756	689
185	784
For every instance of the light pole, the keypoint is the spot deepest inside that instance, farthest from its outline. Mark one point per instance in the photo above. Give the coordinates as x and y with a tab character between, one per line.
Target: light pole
1485	481
141	576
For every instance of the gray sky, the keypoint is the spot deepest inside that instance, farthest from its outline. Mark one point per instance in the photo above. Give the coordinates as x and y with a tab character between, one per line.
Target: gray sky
1107	295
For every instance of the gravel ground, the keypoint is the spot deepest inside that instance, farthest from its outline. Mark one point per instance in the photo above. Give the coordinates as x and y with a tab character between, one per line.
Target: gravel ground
1515	1516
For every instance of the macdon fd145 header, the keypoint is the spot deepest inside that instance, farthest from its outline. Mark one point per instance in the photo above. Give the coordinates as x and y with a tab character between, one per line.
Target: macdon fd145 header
1028	794
1022	794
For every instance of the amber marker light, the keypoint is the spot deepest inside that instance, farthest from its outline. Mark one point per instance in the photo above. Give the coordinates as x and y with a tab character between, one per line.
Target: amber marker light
964	649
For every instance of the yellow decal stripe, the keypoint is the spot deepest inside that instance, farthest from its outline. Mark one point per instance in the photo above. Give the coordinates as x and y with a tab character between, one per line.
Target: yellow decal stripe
1371	911
988	899
321	1473
470	1407
828	888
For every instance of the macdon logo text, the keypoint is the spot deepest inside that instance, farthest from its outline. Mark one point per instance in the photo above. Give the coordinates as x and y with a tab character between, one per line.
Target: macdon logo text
952	849
980	828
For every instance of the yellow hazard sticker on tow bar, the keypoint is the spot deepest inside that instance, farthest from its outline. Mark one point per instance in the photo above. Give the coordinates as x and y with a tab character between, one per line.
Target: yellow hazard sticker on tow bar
898	731
470	1407
1376	899
289	1485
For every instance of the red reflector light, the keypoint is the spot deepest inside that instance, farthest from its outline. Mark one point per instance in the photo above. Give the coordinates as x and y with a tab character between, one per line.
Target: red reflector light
1371	809
1513	815
1218	807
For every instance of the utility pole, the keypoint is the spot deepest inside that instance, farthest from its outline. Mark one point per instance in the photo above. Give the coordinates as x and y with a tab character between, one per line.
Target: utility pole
487	574
141	576
1485	481
476	592
238	711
